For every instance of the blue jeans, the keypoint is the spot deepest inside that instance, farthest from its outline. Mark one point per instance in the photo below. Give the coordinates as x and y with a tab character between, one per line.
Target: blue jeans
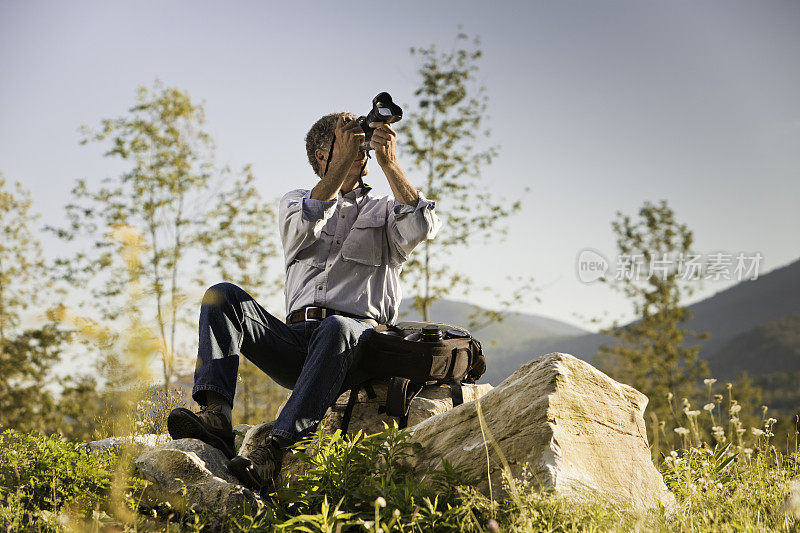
312	358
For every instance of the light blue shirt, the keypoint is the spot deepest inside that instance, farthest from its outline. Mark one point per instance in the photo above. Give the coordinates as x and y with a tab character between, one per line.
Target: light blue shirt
347	253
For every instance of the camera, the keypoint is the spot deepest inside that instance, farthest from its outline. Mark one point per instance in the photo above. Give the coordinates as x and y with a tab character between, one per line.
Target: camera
383	110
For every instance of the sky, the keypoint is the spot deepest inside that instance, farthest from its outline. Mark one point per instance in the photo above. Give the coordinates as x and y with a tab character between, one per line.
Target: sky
597	106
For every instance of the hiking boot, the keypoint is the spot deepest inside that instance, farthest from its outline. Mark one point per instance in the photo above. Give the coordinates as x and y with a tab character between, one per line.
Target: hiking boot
209	426
259	469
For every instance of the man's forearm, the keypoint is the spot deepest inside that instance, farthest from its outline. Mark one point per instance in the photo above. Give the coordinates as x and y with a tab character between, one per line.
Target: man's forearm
402	189
327	188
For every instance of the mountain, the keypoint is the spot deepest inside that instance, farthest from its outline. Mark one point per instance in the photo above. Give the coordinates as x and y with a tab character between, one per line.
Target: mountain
505	342
770	347
726	315
513	325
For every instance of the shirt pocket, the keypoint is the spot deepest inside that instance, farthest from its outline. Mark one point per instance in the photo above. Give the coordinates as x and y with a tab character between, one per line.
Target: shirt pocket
316	254
365	244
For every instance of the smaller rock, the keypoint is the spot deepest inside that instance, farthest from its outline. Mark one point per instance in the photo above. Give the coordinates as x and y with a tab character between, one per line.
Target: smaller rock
254	436
142	442
239	432
200	471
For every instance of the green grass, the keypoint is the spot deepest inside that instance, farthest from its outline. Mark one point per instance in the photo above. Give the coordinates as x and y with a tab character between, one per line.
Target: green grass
362	483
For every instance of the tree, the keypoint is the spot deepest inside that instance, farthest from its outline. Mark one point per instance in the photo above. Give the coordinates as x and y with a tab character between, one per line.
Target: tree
442	139
240	240
189	223
27	356
651	353
21	263
161	196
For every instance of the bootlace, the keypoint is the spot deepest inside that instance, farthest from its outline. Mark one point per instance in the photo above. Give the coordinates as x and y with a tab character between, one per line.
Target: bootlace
217	418
262	453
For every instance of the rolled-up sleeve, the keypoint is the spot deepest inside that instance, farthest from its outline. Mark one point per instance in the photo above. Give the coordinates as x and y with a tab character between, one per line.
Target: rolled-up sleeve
410	225
301	220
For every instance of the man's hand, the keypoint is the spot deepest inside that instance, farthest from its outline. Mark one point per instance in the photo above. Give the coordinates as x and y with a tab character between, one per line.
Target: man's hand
349	138
384	142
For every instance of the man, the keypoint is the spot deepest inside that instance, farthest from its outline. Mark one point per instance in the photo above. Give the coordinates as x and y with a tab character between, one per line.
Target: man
344	250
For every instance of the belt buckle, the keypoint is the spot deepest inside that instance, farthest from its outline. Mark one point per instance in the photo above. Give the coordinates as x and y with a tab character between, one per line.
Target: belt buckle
305	313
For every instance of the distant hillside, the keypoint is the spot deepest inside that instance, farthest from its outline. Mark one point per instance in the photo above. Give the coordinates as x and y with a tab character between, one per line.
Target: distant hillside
770	347
519	325
504	343
725	315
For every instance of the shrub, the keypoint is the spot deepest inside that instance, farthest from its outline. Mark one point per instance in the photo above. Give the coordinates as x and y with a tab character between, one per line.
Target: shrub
40	473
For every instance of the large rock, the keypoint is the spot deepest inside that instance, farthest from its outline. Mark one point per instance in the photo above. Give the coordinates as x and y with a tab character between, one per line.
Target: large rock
580	432
198	469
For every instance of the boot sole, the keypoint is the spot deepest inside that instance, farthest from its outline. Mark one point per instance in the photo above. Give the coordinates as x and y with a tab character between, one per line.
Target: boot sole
182	424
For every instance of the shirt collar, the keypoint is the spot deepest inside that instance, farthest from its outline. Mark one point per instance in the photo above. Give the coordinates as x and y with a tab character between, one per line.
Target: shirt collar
357	192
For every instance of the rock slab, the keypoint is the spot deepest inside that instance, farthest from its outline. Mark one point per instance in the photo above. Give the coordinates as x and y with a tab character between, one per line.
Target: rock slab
580	433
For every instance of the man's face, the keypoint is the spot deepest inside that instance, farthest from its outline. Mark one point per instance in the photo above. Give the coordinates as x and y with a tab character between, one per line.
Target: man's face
357	164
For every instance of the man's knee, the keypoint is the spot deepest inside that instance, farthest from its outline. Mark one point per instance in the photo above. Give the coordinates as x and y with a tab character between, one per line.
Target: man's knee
335	325
219	294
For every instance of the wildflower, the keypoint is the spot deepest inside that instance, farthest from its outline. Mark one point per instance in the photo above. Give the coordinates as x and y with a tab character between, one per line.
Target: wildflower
748	452
718	397
708	407
669	396
771	421
692	413
764	409
681	431
397	513
729	385
709	381
492	525
685	402
735	408
741	431
673	453
380	501
757	432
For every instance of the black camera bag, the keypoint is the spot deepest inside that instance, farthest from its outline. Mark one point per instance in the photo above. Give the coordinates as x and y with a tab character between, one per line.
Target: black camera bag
409	365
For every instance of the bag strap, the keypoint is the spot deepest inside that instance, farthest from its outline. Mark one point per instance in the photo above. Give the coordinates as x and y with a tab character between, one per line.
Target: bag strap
351	403
456	393
348	411
399	396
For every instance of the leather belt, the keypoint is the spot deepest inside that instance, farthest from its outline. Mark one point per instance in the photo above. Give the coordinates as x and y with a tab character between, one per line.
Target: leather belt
319	313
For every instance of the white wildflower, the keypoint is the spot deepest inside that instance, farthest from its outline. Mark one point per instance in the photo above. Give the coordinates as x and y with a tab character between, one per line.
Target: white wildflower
380	501
708	407
709	381
735	408
681	431
692	413
757	432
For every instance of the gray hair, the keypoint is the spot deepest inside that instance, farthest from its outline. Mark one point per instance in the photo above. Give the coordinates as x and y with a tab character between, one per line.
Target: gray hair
321	135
